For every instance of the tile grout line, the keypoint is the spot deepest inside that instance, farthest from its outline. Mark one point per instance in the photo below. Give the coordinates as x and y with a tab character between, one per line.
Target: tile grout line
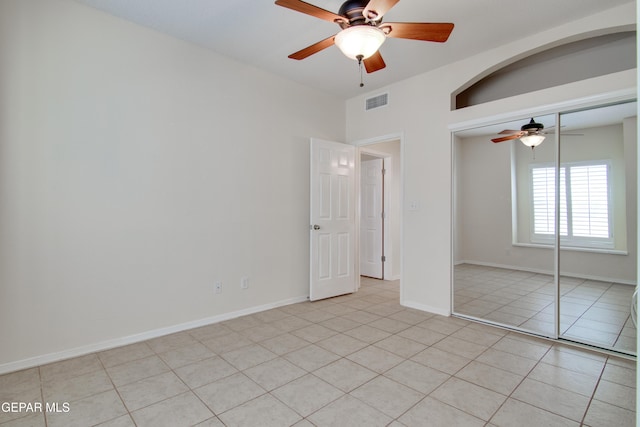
604	366
117	391
519	384
41	382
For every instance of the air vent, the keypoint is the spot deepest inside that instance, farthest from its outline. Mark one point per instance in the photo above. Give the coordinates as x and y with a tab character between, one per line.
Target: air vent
377	101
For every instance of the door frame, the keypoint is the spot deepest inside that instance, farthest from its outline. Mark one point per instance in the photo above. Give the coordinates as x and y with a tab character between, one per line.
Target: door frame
367	145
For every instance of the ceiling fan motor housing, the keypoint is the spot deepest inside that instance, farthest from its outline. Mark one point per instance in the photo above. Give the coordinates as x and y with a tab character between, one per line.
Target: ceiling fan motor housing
352	11
532	127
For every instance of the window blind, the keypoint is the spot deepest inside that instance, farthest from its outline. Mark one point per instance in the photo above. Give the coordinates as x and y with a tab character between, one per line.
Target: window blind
584	201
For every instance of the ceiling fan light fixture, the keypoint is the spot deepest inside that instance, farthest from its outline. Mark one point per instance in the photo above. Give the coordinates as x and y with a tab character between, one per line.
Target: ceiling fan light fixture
532	140
360	41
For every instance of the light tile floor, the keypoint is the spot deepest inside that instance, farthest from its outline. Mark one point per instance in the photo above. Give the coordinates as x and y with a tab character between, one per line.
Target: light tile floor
593	312
358	359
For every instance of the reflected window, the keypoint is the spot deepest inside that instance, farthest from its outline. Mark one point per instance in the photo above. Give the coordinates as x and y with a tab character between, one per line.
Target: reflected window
585	206
597	150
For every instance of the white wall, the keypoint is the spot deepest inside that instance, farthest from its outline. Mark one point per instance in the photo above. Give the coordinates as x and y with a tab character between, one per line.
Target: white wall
421	110
136	170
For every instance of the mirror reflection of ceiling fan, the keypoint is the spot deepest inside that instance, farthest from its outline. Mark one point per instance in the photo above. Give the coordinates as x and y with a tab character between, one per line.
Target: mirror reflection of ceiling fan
531	134
363	31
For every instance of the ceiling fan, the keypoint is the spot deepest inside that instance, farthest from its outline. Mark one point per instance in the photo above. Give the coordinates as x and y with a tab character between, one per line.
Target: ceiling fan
363	31
531	134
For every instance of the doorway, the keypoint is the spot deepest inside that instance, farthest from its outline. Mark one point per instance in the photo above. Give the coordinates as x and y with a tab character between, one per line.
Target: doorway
335	266
372	215
380	209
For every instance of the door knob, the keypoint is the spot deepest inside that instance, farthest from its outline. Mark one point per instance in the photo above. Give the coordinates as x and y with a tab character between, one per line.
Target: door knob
316	227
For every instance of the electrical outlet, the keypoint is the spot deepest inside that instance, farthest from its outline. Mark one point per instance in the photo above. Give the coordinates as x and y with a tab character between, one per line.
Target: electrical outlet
217	287
244	283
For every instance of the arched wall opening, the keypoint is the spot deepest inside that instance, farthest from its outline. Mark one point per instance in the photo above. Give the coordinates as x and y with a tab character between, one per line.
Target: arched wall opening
574	60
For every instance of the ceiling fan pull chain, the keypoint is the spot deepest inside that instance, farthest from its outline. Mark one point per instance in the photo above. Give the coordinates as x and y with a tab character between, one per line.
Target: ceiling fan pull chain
359	57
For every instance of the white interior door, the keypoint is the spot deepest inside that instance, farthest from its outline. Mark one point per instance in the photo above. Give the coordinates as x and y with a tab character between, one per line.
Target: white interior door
371	220
333	249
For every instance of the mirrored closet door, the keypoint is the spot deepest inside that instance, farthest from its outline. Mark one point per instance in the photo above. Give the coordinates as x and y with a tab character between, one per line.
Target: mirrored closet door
545	228
598	225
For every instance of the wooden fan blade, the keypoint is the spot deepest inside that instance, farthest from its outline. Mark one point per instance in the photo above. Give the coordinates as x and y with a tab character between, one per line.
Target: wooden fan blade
374	63
431	32
507	138
309	9
314	48
376	8
508	132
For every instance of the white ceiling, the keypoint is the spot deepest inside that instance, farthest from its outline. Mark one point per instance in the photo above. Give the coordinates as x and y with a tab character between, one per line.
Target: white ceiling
262	34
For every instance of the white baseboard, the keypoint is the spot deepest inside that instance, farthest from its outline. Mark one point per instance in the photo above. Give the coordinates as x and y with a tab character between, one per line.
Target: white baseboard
549	272
131	339
427	308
